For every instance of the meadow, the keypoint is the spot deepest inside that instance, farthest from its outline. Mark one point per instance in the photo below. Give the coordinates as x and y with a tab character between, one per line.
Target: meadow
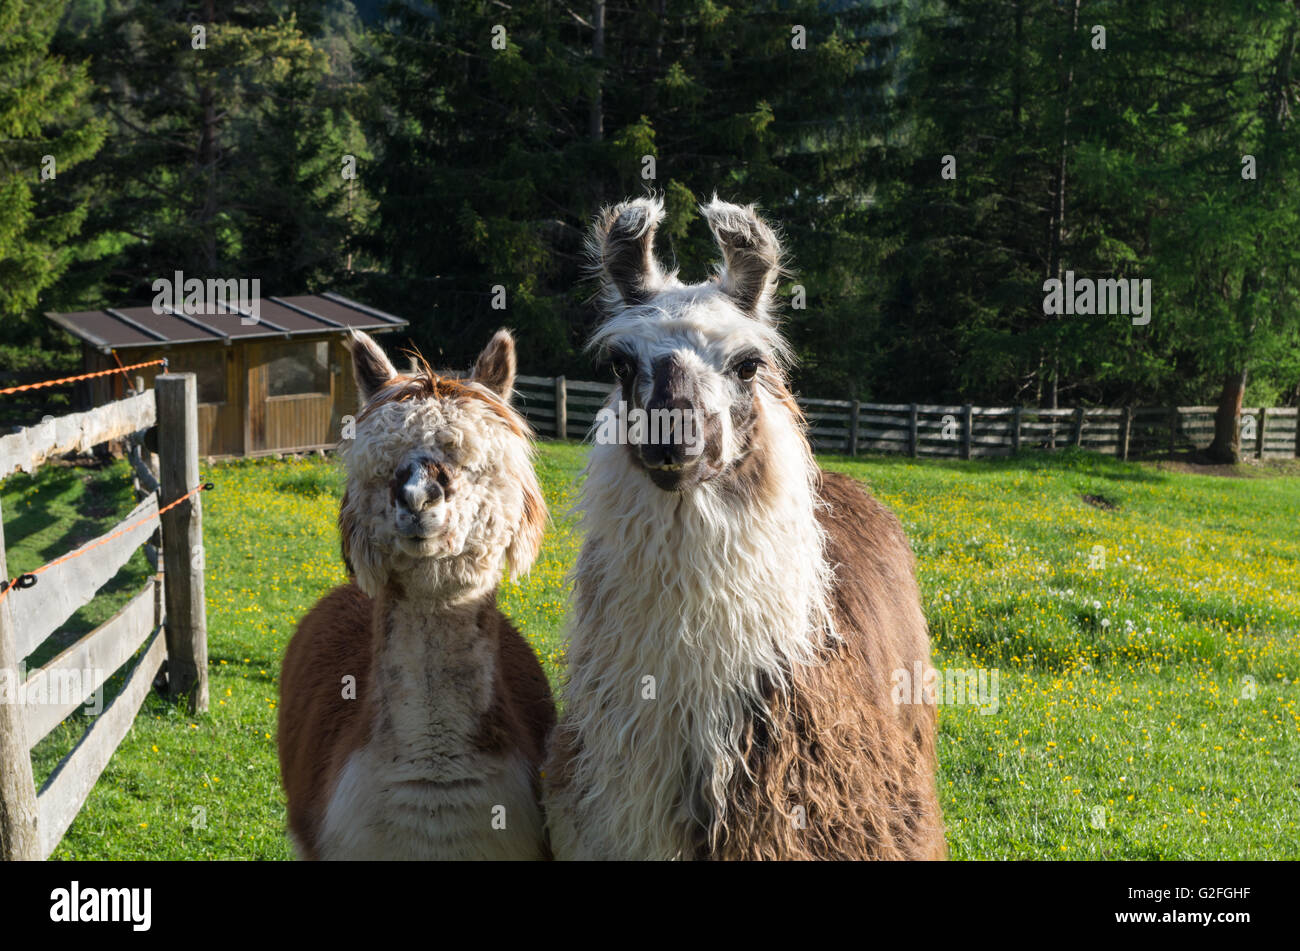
1144	624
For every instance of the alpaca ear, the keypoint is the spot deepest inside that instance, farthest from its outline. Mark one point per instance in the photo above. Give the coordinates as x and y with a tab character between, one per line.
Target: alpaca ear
495	367
370	366
528	536
622	249
751	255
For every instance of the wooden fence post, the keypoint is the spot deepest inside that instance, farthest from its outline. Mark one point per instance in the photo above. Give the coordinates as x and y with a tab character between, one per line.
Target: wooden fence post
1015	428
913	440
182	535
854	410
1078	426
1259	432
1173	430
561	409
1125	429
967	424
19	838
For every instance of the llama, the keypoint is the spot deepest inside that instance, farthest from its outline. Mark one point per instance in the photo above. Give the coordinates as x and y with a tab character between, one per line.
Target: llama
737	612
413	716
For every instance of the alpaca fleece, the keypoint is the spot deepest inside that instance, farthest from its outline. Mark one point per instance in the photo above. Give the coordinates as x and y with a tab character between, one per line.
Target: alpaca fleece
434	752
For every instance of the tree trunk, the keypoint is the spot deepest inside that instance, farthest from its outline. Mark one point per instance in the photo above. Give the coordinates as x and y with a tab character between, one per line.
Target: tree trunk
1056	225
1226	447
596	118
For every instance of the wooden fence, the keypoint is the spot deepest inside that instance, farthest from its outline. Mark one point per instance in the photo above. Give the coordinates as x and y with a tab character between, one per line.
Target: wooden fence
567	408
166	617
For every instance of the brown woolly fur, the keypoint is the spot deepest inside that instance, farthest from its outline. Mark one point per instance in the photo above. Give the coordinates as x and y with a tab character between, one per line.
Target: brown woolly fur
413	715
318	735
837	769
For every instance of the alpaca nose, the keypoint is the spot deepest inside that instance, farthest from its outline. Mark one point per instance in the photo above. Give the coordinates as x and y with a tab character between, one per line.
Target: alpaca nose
417	489
418	494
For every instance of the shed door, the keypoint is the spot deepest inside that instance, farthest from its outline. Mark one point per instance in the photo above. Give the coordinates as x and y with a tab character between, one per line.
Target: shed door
291	385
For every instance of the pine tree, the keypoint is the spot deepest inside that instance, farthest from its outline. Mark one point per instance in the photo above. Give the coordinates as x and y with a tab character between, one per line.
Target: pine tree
45	133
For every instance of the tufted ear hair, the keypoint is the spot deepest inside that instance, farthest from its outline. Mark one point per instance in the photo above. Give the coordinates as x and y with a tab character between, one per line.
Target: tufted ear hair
370	366
532	525
751	255
495	367
622	250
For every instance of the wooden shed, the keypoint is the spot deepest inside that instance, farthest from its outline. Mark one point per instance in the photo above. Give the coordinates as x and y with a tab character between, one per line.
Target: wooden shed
281	383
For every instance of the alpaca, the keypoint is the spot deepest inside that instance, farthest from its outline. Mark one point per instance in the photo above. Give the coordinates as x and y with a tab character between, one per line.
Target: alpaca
737	612
413	716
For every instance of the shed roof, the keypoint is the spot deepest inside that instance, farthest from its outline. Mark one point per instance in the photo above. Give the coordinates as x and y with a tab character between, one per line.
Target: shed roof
127	327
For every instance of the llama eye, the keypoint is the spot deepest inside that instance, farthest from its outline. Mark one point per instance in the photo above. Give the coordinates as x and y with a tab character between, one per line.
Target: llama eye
746	369
621	366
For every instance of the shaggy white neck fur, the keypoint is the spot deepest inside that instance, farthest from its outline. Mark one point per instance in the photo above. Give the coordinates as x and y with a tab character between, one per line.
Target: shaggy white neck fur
710	596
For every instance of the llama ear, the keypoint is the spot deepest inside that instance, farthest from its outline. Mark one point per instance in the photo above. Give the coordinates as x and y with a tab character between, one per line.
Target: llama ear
370	366
622	250
495	367
528	536
751	255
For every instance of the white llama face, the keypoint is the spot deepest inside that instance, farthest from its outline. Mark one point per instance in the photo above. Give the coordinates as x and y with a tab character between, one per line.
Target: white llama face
701	371
441	488
703	362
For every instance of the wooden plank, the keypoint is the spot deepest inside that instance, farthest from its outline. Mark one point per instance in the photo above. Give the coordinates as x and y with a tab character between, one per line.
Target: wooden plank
535	380
182	535
148	481
840	404
887	407
27	449
61	590
65	792
1049	415
19	835
891	435
63	685
530	412
589	387
900	421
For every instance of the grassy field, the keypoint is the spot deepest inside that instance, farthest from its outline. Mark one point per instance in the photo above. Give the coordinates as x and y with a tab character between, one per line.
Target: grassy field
1145	626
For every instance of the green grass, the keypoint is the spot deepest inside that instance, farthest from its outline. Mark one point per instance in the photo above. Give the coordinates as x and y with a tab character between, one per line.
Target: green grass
1121	687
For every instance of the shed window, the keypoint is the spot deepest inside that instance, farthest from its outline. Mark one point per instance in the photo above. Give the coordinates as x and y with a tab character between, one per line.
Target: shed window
208	365
297	369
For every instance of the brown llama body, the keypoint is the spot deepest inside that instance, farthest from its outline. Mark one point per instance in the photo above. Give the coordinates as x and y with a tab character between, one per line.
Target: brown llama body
838	769
413	715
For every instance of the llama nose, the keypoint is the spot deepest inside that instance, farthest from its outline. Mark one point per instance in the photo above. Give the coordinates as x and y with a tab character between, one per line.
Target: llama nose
668	410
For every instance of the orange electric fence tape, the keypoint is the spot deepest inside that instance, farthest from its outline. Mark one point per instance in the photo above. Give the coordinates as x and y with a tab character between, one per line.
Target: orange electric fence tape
28	579
83	376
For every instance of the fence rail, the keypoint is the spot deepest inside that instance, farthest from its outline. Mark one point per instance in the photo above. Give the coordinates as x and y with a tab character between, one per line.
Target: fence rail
555	406
165	620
